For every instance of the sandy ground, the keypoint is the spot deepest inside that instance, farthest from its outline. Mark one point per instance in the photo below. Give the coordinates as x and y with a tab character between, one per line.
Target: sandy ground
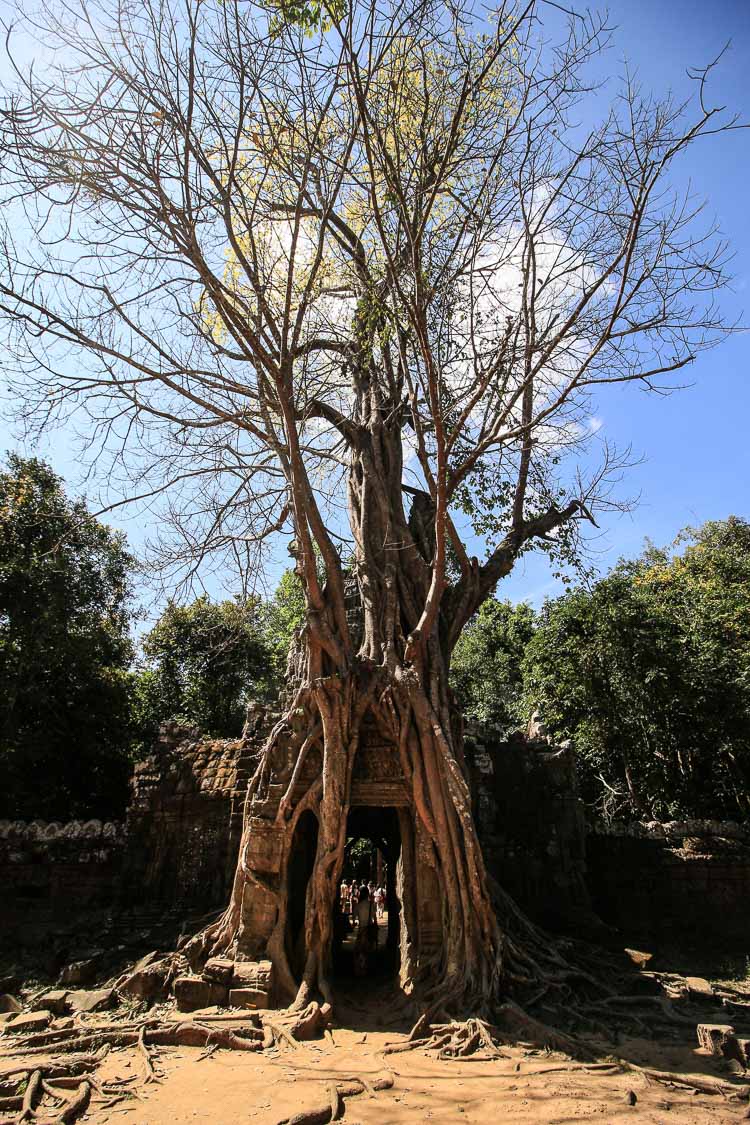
525	1088
229	1087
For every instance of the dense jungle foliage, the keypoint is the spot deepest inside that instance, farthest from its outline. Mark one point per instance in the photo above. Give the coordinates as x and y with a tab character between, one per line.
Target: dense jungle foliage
647	669
65	652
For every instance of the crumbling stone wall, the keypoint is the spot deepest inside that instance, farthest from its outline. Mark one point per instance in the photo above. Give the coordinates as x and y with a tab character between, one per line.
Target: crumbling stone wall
184	821
49	869
685	880
531	824
178	847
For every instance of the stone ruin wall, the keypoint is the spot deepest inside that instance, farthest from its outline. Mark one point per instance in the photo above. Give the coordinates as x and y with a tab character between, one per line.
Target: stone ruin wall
184	821
667	882
177	849
531	823
48	869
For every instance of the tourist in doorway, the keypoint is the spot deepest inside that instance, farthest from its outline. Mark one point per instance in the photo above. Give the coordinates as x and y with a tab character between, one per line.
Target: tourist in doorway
344	906
367	931
365	908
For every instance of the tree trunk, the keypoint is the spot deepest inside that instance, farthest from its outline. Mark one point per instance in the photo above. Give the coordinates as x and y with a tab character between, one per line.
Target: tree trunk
406	695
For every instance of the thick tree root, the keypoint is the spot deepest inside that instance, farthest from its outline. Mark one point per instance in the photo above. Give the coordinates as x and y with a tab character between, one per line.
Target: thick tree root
77	1105
453	1040
702	1085
186	1034
32	1109
31	1097
151	1075
338	1092
286	1028
55	1068
460	1039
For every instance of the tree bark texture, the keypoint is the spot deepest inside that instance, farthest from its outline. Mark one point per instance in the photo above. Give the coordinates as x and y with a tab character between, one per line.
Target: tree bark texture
398	682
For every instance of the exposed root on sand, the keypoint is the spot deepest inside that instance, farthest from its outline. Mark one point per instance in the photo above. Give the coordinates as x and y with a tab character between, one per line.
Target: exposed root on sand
23	1088
43	1102
333	1110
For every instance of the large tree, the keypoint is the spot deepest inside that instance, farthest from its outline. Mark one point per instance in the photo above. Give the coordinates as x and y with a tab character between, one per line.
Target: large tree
649	673
354	271
65	650
204	663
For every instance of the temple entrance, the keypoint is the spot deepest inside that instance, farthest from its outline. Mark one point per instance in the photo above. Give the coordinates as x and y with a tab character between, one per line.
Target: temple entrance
301	863
372	860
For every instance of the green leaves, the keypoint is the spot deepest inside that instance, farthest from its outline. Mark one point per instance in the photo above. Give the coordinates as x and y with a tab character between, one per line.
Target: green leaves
647	670
649	673
486	664
309	15
207	661
64	651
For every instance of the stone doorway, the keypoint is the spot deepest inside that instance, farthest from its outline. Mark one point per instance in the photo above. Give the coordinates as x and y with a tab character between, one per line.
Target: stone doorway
374	850
300	868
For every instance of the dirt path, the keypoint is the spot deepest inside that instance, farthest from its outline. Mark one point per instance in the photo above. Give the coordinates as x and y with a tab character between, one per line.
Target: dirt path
226	1087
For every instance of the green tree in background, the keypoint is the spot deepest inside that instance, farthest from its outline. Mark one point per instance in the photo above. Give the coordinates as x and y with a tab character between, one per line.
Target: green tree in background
64	652
206	660
284	614
649	673
486	665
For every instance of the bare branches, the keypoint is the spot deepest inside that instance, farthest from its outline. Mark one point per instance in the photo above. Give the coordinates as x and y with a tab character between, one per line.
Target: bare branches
255	257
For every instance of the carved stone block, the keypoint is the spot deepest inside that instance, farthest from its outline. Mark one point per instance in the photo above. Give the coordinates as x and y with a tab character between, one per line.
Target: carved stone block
192	993
264	847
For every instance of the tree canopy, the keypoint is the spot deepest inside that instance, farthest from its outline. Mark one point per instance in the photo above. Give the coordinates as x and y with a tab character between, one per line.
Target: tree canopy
486	666
205	662
65	650
649	673
278	212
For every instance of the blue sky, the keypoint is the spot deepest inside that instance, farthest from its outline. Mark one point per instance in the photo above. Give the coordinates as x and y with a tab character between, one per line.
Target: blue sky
695	444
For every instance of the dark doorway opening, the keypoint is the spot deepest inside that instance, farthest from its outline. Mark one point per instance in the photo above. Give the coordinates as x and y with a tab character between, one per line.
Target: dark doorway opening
301	863
373	851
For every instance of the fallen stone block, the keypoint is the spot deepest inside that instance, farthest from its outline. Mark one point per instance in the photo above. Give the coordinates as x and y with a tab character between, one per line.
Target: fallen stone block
147	982
714	1037
146	960
9	1004
638	957
218	969
81	972
699	989
194	992
53	1001
93	1000
248	998
6	1017
253	974
29	1021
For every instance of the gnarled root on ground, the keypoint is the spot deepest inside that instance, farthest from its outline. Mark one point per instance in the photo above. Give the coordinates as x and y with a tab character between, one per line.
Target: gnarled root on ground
458	1039
47	1082
337	1093
259	1031
731	1090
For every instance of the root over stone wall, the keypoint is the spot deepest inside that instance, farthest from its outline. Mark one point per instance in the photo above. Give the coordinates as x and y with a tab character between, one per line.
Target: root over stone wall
177	848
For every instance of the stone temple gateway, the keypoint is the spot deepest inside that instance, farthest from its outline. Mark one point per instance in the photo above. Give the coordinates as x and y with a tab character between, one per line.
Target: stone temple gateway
281	846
